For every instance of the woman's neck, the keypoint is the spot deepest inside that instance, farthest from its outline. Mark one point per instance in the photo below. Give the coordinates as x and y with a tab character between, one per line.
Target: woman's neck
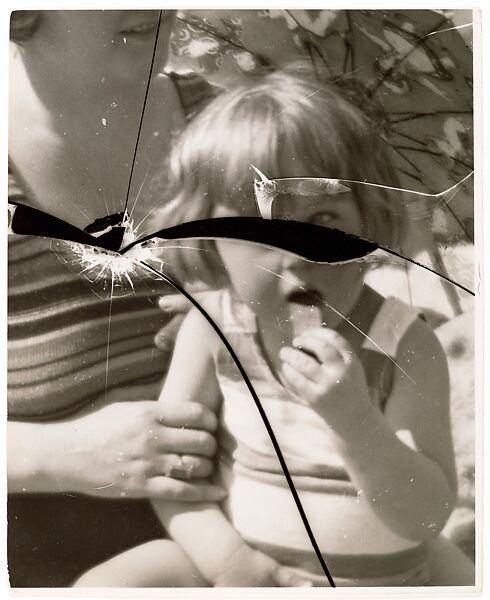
76	164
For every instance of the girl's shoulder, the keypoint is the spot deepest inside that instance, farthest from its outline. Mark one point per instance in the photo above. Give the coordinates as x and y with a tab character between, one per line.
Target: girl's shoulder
404	327
229	313
419	356
393	320
421	338
209	314
396	332
399	331
234	324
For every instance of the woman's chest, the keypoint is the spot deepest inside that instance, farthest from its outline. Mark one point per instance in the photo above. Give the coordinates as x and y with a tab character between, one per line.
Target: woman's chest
93	162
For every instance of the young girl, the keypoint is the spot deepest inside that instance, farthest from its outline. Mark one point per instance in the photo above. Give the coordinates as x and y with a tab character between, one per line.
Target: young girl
358	403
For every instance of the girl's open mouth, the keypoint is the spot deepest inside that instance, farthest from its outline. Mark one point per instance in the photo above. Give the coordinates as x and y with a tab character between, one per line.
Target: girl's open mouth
307	297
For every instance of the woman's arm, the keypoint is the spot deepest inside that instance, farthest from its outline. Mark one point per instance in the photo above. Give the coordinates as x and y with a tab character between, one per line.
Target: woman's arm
34	452
401	461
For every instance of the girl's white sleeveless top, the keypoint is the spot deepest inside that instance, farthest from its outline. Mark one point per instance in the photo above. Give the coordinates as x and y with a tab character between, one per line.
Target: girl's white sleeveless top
358	548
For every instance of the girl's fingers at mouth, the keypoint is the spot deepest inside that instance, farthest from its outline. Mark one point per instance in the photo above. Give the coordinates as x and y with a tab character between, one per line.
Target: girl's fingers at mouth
304	362
298	383
323	351
327	345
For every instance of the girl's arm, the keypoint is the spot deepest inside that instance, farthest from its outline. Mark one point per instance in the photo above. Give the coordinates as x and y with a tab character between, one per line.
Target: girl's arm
402	460
202	530
191	378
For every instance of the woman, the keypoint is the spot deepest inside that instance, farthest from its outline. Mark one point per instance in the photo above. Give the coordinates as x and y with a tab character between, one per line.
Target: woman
81	453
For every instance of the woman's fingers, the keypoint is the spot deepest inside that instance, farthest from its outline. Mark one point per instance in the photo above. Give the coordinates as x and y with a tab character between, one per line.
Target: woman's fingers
127	446
165	337
187	415
167	488
183	466
185	441
177	303
174	303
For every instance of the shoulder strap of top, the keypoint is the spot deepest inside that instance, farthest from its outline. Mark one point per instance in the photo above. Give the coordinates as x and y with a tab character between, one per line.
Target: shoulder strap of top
379	349
389	326
194	91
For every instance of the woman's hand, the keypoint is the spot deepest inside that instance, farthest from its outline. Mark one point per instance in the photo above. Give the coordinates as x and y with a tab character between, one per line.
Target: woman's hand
178	304
327	375
122	449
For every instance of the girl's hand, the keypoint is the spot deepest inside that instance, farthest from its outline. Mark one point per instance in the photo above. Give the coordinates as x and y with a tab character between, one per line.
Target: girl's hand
130	449
250	568
328	376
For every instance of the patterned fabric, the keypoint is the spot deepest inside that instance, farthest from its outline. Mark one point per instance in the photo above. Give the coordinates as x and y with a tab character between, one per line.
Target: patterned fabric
58	330
409	71
358	547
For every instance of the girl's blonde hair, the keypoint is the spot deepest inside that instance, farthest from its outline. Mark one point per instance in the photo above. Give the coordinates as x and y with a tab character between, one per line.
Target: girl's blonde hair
274	121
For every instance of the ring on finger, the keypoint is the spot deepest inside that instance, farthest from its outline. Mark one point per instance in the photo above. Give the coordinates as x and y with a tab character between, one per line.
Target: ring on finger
181	470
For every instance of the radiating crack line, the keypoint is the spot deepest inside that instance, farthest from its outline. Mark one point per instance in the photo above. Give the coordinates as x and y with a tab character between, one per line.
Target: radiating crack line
139	191
143	109
381	186
108	342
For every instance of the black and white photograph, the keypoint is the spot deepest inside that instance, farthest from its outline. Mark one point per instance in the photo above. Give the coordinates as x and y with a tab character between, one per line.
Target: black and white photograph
244	300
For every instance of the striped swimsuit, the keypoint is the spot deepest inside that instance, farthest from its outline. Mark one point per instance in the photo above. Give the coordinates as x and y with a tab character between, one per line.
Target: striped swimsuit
58	364
58	321
358	548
